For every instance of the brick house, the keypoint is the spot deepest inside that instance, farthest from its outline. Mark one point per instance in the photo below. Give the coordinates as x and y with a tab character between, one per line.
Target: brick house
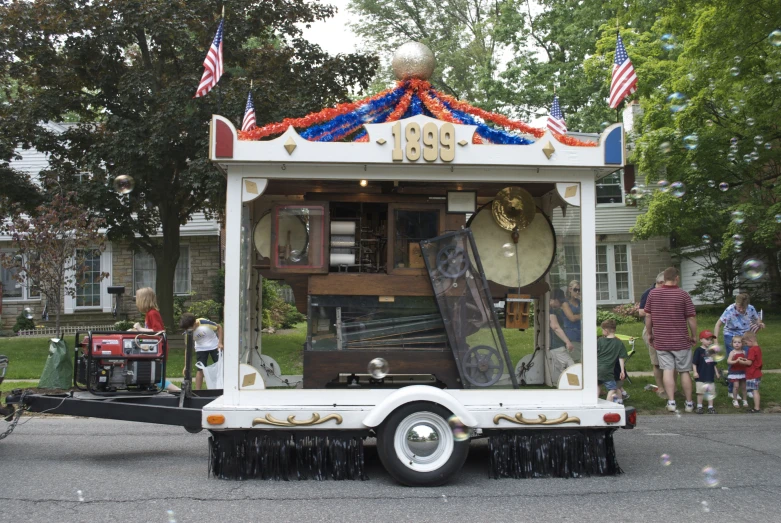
199	263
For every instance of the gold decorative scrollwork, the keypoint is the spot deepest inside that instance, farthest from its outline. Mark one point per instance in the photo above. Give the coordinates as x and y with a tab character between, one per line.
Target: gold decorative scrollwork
541	419
293	422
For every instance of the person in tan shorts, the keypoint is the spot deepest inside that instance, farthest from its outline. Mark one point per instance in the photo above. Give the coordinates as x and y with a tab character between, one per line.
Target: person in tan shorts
651	351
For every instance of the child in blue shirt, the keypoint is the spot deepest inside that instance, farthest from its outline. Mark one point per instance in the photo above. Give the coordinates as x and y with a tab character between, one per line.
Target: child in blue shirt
705	371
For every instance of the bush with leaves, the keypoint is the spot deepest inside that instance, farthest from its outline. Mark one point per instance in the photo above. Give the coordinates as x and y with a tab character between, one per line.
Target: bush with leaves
277	313
603	315
206	309
23	323
123	325
628	309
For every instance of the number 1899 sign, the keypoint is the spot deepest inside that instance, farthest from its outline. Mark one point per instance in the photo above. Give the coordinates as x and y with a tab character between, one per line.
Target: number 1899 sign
431	142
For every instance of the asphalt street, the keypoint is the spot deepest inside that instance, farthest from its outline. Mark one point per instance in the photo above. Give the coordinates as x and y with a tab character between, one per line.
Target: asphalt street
84	470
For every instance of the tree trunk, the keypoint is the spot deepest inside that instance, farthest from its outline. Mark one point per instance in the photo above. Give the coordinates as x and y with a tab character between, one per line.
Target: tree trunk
774	277
166	258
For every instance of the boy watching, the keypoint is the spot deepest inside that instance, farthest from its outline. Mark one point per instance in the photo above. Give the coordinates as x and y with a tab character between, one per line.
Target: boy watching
705	371
609	350
207	336
754	371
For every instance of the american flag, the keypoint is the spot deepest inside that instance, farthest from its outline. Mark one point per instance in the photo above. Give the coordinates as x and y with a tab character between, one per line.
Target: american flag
624	81
556	118
249	115
212	65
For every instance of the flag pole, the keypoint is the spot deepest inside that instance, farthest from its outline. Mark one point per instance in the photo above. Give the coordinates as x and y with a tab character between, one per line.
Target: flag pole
219	89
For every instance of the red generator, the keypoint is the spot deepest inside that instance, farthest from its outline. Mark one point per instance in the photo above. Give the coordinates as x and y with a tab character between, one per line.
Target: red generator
107	363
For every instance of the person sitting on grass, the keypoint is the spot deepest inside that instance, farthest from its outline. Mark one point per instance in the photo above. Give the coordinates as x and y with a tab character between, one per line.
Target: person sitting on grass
207	337
610	349
705	371
754	370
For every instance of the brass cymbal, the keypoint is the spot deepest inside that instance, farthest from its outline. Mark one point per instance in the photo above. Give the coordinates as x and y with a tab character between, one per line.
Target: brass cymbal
513	208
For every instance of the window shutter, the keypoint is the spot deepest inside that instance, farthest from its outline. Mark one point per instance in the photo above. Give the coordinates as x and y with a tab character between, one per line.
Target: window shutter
629	178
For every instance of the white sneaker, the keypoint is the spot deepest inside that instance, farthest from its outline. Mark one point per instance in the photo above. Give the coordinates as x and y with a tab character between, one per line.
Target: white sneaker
750	395
689	406
671	406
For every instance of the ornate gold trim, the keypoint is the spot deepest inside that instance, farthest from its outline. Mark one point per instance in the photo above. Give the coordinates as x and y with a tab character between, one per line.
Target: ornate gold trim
541	419
293	422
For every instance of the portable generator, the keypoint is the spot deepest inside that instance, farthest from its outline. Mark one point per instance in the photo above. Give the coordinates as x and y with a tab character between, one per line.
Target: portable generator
108	363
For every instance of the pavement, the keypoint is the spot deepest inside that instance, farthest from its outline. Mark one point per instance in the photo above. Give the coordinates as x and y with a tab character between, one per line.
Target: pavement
87	470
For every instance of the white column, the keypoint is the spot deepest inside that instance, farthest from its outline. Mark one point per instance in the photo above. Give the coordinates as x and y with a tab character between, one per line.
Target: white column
232	283
588	286
106	265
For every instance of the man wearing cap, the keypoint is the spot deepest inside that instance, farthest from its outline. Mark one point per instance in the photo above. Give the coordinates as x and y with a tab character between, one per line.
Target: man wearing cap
646	332
672	325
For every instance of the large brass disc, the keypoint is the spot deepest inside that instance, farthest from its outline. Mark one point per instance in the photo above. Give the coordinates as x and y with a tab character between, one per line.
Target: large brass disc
536	249
513	208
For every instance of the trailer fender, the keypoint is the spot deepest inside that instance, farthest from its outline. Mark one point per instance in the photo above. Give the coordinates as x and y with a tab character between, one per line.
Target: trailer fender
418	393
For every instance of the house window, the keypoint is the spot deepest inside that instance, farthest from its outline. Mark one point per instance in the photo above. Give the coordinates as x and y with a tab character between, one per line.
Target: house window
610	189
88	289
14	290
145	271
569	271
614	277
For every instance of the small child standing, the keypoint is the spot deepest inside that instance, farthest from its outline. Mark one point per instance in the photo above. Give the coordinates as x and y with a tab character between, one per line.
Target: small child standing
737	370
610	349
705	371
754	370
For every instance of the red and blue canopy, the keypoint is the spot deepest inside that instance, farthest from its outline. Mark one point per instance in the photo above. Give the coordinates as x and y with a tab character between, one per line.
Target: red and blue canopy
408	98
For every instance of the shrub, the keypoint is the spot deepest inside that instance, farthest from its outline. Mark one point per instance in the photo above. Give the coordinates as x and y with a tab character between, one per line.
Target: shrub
628	309
123	325
277	313
23	323
291	316
206	309
620	319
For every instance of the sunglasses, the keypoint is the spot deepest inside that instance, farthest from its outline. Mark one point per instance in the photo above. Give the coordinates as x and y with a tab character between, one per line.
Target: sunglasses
575	290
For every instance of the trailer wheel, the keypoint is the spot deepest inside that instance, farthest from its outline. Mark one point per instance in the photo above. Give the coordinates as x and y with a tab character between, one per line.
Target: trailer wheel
193	430
416	445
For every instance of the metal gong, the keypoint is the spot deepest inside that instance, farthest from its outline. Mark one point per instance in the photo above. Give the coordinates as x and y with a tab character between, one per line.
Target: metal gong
292	231
536	249
513	208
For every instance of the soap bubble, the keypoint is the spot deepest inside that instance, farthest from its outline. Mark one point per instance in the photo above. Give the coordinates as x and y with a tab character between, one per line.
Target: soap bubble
733	140
735	109
710	477
709	391
712	184
709	123
734	71
759	139
665	460
738	59
636	192
768	78
460	431
778	218
705	507
663	185
716	353
754	155
768	145
775	37
747	158
508	250
80	495
737	239
706	239
604	125
723	186
678	102
753	269
665	147
295	256
691	141
28	313
678	189
124	184
171	516
694	166
738	217
378	368
778	76
738	249
750	122
733	149
691	77
668	42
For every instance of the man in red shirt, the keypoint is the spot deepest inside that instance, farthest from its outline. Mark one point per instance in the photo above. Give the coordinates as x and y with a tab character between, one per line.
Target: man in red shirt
671	320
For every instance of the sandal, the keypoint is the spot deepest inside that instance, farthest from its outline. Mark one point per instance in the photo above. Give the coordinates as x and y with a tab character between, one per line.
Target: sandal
754	411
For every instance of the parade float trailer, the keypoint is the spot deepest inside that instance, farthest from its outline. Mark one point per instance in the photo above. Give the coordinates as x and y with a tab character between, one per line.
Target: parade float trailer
416	232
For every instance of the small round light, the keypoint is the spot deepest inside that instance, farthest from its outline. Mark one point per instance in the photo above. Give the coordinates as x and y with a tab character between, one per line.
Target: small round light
364	183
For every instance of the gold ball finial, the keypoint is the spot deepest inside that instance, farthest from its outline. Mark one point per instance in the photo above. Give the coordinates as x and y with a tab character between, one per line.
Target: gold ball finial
413	60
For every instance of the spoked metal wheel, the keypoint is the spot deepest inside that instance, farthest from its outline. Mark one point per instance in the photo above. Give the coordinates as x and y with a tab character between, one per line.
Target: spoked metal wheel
417	446
452	261
482	366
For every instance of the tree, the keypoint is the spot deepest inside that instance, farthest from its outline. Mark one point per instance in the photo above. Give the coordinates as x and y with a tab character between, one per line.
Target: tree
53	250
710	101
127	72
